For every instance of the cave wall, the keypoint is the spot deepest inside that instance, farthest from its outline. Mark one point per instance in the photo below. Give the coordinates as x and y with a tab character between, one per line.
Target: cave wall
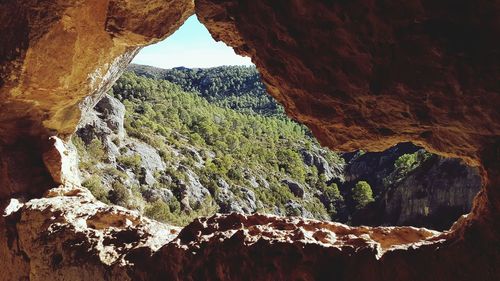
53	55
369	74
360	74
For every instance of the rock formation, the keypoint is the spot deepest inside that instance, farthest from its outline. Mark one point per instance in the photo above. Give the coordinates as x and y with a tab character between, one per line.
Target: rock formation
360	74
432	193
53	55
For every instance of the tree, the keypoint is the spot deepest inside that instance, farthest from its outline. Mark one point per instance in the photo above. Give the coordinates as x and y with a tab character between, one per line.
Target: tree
157	210
405	162
362	194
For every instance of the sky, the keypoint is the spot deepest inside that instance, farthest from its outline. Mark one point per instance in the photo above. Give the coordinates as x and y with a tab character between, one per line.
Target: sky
190	46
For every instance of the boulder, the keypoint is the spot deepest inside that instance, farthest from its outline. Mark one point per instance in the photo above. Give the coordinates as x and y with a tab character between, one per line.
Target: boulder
317	160
293	208
154	194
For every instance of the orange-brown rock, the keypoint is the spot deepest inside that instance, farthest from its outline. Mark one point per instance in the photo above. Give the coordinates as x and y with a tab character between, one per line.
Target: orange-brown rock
54	54
68	235
360	74
368	74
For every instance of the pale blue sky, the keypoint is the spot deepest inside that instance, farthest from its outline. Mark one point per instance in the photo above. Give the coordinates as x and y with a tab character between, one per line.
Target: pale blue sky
190	46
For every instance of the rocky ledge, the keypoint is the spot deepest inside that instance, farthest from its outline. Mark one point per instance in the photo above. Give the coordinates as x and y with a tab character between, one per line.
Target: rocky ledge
69	235
360	74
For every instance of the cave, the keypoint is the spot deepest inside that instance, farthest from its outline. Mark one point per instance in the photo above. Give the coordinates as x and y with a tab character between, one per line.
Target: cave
152	147
383	73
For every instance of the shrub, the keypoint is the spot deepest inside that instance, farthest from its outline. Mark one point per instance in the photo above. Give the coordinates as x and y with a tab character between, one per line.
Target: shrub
157	210
292	210
332	192
362	194
406	162
94	185
133	161
119	195
115	173
79	145
96	150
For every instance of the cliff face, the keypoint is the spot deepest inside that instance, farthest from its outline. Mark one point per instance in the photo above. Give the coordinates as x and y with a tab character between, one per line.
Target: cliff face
432	192
361	74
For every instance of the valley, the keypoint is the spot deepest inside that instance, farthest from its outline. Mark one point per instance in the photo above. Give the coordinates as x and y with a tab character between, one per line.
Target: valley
182	143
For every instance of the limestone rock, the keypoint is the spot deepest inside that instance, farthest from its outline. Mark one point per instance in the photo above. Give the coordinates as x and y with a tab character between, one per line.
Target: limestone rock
68	235
315	159
192	191
153	194
296	188
151	160
360	74
113	112
433	194
62	162
295	209
105	123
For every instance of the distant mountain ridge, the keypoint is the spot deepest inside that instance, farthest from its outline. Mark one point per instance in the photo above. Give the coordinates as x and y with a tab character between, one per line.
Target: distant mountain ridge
235	87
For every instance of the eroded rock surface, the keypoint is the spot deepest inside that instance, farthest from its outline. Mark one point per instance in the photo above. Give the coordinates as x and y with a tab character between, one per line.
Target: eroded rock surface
69	235
368	75
53	55
360	74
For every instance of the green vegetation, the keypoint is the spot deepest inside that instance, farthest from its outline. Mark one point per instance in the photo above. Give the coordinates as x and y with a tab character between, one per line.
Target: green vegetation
362	194
235	87
227	130
407	162
95	186
131	161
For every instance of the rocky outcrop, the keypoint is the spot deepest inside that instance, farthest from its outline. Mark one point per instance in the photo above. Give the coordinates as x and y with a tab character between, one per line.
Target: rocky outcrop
192	192
434	192
94	241
295	188
113	113
374	167
246	203
322	165
434	195
55	54
104	123
45	239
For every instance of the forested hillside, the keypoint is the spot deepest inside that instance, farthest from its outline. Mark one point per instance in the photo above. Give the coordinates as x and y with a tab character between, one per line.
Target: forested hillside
235	87
212	158
180	143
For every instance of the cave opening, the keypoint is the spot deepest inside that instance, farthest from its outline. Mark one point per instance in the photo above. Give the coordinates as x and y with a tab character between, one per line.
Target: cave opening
389	73
189	131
